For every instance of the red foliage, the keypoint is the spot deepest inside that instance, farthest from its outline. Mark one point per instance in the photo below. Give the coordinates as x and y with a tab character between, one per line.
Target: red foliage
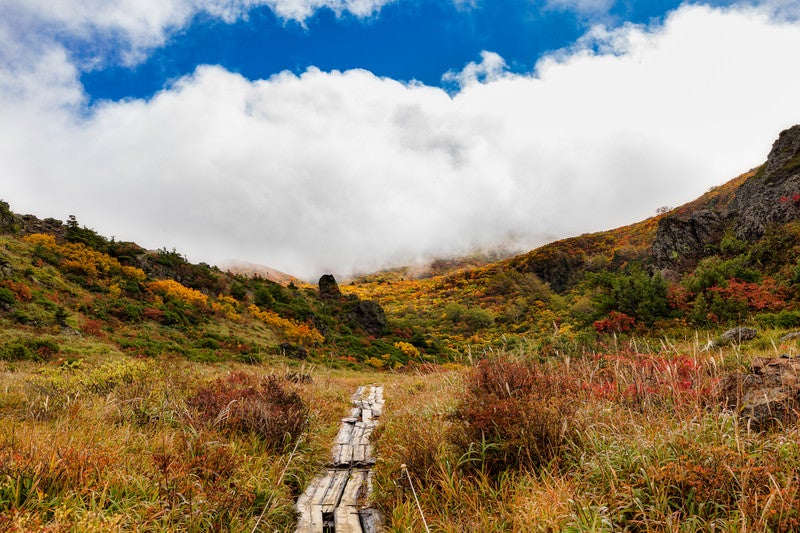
523	411
152	313
679	297
764	296
21	291
93	327
245	403
615	322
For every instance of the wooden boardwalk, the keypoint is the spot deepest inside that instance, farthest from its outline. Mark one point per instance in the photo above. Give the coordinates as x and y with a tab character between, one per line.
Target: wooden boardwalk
337	500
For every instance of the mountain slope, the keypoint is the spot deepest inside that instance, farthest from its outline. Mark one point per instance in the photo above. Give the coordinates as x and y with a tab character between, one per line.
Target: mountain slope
726	256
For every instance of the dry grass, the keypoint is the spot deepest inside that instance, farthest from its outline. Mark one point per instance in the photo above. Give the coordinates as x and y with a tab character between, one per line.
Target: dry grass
654	450
115	445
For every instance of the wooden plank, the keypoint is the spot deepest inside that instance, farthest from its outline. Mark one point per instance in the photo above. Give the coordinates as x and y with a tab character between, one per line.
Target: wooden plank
333	495
366	415
345	434
346	516
336	499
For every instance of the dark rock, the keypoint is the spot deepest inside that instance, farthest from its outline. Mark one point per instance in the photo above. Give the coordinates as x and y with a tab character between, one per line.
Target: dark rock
768	395
771	196
369	315
737	335
328	288
682	240
31	224
293	351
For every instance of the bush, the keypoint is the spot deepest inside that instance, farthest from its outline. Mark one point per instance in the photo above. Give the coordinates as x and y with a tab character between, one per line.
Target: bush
7	296
28	350
520	415
782	319
247	404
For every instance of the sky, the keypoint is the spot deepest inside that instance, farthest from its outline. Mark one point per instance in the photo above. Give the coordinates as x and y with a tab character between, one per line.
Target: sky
346	136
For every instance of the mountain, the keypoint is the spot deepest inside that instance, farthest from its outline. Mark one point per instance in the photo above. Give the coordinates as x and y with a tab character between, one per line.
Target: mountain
244	268
726	257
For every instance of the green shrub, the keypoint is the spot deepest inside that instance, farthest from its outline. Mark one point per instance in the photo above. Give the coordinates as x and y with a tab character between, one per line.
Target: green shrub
782	319
7	296
29	350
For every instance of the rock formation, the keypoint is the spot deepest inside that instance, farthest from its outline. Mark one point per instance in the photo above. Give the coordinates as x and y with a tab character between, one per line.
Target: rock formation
768	395
328	288
769	196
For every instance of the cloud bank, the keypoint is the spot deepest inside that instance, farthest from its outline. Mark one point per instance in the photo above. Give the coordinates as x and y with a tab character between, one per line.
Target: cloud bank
348	172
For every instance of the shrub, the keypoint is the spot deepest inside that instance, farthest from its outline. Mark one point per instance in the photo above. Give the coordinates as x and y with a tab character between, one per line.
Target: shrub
7	297
28	350
521	415
615	322
248	404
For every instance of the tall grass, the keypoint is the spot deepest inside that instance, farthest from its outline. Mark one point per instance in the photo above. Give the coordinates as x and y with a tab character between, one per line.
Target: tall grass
128	445
599	442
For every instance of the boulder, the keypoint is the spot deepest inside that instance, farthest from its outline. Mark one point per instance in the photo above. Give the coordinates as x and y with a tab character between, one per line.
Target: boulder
790	336
681	240
732	336
328	288
737	336
768	395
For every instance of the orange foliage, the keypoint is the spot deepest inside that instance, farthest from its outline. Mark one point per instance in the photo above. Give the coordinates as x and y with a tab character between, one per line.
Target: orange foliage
21	290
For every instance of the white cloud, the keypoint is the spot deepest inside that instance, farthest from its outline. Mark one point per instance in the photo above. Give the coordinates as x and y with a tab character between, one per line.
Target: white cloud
131	28
492	67
345	171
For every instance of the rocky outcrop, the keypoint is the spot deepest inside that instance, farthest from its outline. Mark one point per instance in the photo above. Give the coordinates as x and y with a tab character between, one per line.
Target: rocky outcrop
732	336
768	197
328	288
768	395
369	315
772	196
681	241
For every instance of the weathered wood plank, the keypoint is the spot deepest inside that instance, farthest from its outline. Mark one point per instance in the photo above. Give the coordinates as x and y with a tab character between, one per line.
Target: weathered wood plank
346	516
335	501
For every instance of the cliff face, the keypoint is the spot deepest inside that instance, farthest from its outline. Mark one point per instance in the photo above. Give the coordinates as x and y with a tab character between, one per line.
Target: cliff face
769	196
772	196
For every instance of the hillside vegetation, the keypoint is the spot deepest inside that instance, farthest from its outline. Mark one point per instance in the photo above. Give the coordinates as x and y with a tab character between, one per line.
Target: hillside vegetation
583	386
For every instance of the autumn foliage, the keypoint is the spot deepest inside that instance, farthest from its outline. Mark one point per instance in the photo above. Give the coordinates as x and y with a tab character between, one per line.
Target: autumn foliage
296	331
245	403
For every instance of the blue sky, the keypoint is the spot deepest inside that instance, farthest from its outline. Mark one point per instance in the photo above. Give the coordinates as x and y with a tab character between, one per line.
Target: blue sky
346	136
417	40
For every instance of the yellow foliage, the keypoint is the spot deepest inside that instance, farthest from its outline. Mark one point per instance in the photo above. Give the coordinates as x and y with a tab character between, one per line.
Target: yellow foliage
114	291
296	331
375	362
136	274
227	307
80	259
169	287
407	348
41	239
